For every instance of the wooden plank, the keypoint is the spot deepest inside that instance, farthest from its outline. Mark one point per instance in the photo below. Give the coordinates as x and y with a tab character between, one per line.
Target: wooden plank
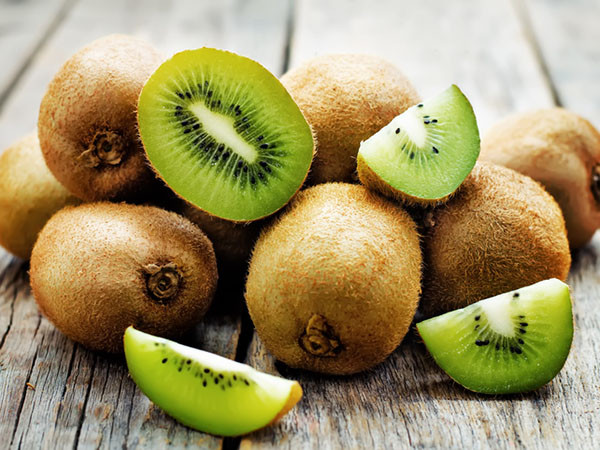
237	25
24	26
78	398
478	45
407	401
567	35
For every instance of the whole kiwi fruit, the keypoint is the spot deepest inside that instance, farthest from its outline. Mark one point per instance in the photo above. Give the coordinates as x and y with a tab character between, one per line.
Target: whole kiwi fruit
346	98
100	267
334	283
87	123
29	195
502	231
560	150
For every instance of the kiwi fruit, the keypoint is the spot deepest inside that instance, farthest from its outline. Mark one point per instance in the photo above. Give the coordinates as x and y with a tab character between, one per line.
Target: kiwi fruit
29	195
224	134
100	267
87	122
205	391
501	231
346	98
514	342
232	241
334	283
425	153
560	150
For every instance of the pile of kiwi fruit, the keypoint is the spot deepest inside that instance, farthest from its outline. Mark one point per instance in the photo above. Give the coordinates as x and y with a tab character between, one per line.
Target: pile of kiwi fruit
346	203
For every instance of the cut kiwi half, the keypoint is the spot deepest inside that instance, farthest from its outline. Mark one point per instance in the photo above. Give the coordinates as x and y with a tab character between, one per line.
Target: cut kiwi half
205	391
224	134
513	342
423	155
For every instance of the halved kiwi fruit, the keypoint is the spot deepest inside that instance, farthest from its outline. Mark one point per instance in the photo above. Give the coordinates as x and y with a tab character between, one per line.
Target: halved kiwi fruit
206	391
513	342
224	134
424	154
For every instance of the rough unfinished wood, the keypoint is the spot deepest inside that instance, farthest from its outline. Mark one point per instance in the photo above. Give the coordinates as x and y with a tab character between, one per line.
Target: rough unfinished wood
24	26
480	46
567	36
54	393
409	402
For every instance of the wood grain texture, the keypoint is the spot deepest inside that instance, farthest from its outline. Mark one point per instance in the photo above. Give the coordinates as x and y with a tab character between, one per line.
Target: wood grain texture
480	46
567	35
80	399
24	25
77	398
408	401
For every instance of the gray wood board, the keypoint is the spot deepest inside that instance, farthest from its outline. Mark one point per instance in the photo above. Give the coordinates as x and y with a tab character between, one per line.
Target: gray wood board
567	35
76	397
24	25
480	46
408	401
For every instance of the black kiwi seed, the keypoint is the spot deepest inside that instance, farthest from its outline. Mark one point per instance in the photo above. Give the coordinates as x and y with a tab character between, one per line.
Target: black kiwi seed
164	360
195	127
435	150
434	121
425	117
497	346
397	130
412	155
522	330
523	324
186	131
186	122
235	377
264	146
481	343
520	341
260	138
179	370
476	326
206	370
209	94
180	95
225	155
516	295
261	175
221	147
204	383
521	317
252	180
188	95
189	361
245	169
246	382
178	107
420	105
221	376
518	350
477	317
216	380
426	122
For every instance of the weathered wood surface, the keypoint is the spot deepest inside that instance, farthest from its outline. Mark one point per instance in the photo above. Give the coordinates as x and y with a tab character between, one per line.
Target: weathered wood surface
507	56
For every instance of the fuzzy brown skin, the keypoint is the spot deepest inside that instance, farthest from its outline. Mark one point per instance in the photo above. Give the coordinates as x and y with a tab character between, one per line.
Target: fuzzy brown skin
233	241
87	124
29	195
333	285
92	273
346	99
560	150
501	232
373	181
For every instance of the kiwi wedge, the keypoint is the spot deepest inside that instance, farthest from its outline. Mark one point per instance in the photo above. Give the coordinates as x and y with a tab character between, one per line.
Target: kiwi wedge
205	391
224	134
423	155
513	342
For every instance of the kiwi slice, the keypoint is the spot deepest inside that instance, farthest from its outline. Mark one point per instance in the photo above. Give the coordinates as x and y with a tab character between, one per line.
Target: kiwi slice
424	154
224	134
513	342
205	391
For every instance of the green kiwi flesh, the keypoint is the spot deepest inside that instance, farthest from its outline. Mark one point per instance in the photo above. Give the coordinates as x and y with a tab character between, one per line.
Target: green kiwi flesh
205	391
513	342
224	134
424	154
